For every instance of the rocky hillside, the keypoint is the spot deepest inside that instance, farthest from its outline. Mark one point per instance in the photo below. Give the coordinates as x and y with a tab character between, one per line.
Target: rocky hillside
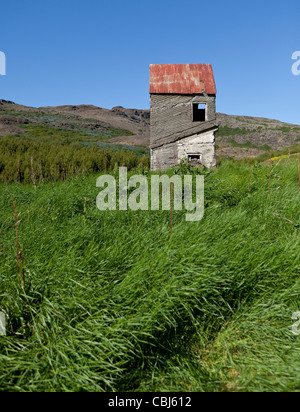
237	136
130	126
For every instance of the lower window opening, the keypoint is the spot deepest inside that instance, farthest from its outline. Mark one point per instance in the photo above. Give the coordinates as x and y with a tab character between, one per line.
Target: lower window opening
194	158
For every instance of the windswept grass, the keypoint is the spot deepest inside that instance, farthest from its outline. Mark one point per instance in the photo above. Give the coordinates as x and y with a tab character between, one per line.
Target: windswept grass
53	161
63	147
292	150
113	303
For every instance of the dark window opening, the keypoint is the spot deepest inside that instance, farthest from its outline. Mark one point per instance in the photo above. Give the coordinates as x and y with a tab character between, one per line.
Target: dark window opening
199	111
194	158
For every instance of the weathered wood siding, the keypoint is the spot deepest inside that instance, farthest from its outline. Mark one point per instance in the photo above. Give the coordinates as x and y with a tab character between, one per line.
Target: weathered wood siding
172	117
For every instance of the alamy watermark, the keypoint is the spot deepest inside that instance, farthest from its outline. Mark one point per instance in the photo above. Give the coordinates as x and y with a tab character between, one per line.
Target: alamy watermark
295	330
2	324
296	65
175	189
2	64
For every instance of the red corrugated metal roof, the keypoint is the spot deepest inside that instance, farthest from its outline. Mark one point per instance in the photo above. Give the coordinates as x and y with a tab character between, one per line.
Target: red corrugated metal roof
182	79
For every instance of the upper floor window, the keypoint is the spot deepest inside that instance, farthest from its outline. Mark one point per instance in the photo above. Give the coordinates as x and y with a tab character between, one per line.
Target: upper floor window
199	112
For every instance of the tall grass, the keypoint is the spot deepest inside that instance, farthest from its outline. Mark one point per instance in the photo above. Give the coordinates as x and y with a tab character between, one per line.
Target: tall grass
30	161
114	303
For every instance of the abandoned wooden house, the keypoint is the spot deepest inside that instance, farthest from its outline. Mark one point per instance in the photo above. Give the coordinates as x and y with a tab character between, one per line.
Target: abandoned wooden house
183	115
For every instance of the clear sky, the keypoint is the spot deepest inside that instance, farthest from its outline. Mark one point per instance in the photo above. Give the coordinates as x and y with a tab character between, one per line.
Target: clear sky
98	52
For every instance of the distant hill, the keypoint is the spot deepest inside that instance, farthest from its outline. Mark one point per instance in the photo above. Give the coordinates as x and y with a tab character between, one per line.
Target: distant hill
239	134
236	137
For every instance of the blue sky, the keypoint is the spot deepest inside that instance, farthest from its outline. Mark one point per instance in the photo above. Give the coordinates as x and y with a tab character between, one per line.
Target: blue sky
98	52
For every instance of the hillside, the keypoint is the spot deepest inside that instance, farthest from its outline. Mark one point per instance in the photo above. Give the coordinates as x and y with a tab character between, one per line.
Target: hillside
93	120
237	136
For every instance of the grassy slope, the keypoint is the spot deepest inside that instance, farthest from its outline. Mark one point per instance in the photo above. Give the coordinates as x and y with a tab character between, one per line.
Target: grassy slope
112	303
51	153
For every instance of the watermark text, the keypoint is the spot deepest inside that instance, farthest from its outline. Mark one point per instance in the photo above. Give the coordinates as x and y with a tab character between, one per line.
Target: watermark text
163	191
2	324
295	327
296	65
2	64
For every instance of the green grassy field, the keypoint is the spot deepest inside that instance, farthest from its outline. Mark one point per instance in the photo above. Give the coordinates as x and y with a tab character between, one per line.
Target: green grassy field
108	301
49	154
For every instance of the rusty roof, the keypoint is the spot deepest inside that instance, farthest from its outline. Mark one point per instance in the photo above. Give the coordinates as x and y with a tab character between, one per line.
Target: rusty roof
182	79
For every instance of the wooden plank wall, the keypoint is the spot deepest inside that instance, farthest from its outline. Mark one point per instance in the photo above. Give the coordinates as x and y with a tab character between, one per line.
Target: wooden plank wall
172	117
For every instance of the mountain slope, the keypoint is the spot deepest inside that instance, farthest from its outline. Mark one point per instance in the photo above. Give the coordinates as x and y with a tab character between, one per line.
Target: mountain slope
236	137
